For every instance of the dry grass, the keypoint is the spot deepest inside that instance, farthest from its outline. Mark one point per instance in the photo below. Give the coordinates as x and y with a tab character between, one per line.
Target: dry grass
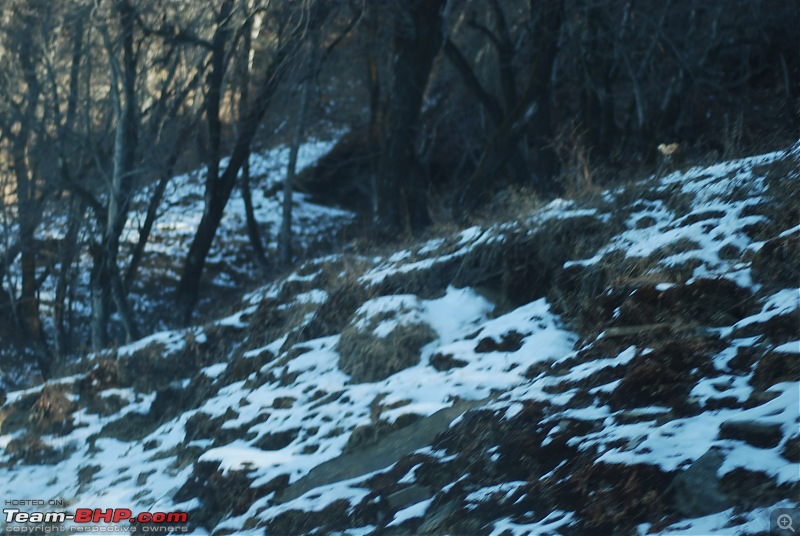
31	450
367	357
345	294
52	411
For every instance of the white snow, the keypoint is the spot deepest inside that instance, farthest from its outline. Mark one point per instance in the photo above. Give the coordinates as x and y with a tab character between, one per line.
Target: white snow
299	409
411	512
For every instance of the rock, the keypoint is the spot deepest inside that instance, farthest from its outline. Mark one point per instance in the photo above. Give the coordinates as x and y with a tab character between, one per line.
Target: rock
776	261
30	449
510	342
436	517
443	362
758	398
408	496
386	451
696	491
283	402
776	367
764	436
222	493
277	440
791	451
644	222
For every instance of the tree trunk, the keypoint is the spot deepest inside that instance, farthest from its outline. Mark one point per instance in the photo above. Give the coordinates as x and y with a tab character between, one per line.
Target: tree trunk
198	251
288	185
100	290
219	192
77	208
374	45
597	104
215	204
374	130
125	141
217	189
531	111
402	200
27	304
68	252
164	117
489	103
253	232
152	209
29	216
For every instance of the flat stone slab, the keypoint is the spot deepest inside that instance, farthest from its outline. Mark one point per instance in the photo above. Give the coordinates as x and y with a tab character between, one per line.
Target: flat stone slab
383	453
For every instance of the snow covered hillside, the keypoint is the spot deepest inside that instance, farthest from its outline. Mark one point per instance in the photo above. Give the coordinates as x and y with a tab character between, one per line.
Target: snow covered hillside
231	264
627	363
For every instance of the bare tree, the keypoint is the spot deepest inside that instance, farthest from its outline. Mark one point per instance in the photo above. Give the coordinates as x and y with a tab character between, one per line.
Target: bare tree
526	112
107	280
309	70
289	33
244	72
417	39
23	125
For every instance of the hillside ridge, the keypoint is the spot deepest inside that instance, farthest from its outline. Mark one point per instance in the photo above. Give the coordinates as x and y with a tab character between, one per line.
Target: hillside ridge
635	371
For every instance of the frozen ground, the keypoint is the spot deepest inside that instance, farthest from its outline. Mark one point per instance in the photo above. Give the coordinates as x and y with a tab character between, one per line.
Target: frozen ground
580	408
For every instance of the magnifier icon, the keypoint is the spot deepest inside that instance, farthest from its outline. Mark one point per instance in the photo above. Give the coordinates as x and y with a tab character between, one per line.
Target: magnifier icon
785	522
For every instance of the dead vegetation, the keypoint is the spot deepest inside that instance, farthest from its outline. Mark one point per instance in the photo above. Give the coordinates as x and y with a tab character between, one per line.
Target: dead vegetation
665	375
368	357
222	493
664	312
615	498
51	413
32	450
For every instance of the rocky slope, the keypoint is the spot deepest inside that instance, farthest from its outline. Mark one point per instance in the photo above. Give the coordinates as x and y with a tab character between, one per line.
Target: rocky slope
623	364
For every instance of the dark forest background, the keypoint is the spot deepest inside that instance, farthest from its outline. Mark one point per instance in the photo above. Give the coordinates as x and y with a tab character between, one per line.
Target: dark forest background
446	103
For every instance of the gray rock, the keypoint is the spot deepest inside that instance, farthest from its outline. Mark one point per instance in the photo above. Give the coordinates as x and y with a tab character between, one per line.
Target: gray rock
696	491
435	519
383	453
408	496
764	436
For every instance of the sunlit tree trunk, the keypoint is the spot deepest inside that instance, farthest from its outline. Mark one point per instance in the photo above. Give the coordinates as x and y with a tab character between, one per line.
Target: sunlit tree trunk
108	283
